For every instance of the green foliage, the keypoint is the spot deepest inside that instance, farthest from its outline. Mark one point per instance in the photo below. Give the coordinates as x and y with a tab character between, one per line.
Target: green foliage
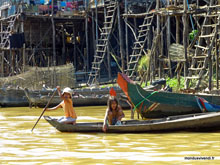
143	63
173	82
193	34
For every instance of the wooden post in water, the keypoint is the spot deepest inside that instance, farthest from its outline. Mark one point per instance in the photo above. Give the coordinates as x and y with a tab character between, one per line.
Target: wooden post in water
126	32
23	49
63	46
2	64
54	34
217	50
185	38
161	50
74	48
120	39
93	33
87	37
168	42
54	44
157	35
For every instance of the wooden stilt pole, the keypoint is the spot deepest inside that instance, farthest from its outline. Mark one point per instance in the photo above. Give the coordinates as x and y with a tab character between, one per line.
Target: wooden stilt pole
185	38
126	33
87	37
168	43
158	33
120	38
54	45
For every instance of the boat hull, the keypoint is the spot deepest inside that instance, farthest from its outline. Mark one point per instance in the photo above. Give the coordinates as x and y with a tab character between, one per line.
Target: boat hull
157	104
13	98
192	122
95	98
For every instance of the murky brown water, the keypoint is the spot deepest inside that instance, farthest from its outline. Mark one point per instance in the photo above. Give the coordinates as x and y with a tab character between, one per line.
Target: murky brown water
18	145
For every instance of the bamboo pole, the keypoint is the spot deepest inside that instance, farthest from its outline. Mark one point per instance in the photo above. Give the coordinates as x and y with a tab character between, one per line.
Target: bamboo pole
87	37
2	64
74	48
23	49
168	42
54	44
93	33
54	35
120	39
96	17
161	50
126	33
185	38
158	33
177	29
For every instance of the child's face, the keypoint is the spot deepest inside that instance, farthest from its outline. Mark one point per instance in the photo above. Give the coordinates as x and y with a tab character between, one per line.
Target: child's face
66	95
113	105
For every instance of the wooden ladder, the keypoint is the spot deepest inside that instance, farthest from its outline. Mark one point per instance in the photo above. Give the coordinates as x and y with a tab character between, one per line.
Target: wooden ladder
101	47
5	43
138	47
204	49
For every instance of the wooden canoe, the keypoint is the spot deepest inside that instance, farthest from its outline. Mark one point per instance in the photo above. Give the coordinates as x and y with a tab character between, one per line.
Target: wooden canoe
157	104
192	122
205	106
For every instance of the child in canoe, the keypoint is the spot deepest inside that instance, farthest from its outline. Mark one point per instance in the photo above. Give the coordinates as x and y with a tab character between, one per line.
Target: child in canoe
67	105
113	114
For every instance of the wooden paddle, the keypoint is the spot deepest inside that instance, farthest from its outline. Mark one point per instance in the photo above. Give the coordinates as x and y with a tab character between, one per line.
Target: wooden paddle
44	109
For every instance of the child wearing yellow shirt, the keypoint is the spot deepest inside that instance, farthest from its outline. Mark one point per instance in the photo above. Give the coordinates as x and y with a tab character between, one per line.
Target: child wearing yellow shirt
67	105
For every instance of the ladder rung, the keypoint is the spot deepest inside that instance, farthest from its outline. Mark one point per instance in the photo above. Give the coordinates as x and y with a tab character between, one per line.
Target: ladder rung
100	51
201	47
100	45
133	62
137	48
95	68
98	57
107	28
109	16
195	69
107	22
130	69
211	25
109	11
207	36
112	6
136	55
103	39
145	25
199	57
193	77
144	35
104	33
149	17
144	30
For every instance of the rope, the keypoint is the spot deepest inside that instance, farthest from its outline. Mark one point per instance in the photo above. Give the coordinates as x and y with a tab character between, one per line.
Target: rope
144	98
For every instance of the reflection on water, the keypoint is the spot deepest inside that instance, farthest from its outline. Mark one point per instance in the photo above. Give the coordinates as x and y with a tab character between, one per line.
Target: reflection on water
18	145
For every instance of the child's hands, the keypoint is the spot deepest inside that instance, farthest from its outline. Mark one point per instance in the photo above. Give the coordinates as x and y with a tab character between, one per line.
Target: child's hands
104	128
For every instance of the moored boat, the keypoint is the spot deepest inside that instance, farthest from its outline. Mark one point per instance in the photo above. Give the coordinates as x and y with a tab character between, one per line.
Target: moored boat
93	98
205	106
10	97
191	122
156	104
